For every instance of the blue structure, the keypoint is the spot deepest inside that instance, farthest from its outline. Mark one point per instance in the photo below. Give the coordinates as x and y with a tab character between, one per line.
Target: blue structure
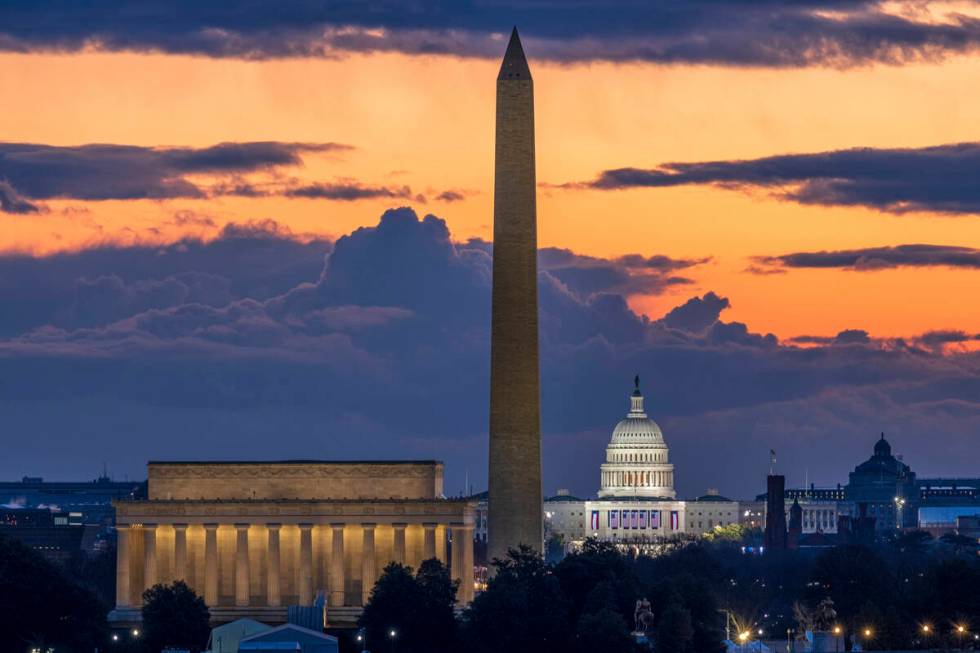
289	637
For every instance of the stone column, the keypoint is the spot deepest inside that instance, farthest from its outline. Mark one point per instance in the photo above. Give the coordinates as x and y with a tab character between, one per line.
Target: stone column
398	547
211	565
429	541
273	590
149	555
180	552
466	584
456	559
241	565
305	581
368	567
337	595
123	594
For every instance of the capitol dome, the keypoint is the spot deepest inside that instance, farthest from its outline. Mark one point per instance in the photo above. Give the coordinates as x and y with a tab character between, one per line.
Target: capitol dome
637	460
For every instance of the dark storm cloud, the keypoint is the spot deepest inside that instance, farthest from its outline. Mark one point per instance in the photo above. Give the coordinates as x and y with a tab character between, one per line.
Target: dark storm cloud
940	179
350	191
845	337
383	352
697	314
104	284
12	202
740	32
103	172
631	274
451	196
879	258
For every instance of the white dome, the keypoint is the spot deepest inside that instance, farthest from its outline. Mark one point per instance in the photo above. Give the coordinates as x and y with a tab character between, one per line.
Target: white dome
637	460
638	430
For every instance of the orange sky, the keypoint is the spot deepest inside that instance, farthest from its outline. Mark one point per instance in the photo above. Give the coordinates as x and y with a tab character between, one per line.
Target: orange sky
428	122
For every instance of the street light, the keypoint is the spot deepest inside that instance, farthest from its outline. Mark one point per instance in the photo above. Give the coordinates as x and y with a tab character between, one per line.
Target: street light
392	634
136	632
742	638
837	632
960	631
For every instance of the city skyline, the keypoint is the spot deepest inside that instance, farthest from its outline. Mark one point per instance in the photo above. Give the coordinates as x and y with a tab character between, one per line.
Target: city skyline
783	242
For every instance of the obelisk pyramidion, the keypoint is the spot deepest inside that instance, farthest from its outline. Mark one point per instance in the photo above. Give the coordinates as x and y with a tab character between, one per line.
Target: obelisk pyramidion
515	411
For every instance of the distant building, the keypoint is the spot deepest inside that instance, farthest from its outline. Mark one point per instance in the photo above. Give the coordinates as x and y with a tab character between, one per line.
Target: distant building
887	486
54	534
942	520
92	500
254	538
752	514
776	532
969	526
820	507
637	505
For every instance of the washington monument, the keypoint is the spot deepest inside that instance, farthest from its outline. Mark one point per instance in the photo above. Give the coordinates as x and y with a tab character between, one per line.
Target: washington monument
515	404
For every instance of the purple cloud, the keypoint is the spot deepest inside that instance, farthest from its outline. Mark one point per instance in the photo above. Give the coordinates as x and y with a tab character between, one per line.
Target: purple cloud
382	350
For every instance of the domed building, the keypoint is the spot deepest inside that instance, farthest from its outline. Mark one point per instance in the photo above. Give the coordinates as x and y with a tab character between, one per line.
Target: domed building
637	506
637	461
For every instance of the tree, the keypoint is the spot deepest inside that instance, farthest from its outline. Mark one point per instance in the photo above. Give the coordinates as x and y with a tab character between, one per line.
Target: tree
42	606
523	609
419	608
174	616
598	564
675	634
604	630
435	617
97	571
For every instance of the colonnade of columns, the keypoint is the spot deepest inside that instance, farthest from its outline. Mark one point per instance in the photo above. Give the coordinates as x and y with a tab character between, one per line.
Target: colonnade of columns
338	563
638	479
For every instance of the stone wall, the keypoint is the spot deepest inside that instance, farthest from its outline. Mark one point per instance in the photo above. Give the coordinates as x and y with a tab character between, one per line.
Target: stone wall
306	480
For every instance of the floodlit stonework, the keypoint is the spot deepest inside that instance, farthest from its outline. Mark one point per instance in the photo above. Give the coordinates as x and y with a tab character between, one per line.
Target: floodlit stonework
515	410
637	460
253	538
637	506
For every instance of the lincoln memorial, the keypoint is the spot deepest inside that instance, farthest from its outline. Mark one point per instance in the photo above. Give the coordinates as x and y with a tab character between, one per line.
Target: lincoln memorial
252	538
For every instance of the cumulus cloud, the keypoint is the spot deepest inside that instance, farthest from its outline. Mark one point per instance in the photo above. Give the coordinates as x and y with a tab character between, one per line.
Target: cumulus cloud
697	313
877	258
256	259
939	179
631	274
382	350
742	32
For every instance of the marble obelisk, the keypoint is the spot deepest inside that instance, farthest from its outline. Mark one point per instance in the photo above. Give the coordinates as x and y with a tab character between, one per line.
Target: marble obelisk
515	405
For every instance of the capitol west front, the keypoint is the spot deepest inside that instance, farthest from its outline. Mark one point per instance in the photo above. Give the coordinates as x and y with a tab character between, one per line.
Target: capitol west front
636	503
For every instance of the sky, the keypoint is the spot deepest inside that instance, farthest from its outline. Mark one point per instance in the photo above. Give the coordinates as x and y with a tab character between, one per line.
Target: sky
263	231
